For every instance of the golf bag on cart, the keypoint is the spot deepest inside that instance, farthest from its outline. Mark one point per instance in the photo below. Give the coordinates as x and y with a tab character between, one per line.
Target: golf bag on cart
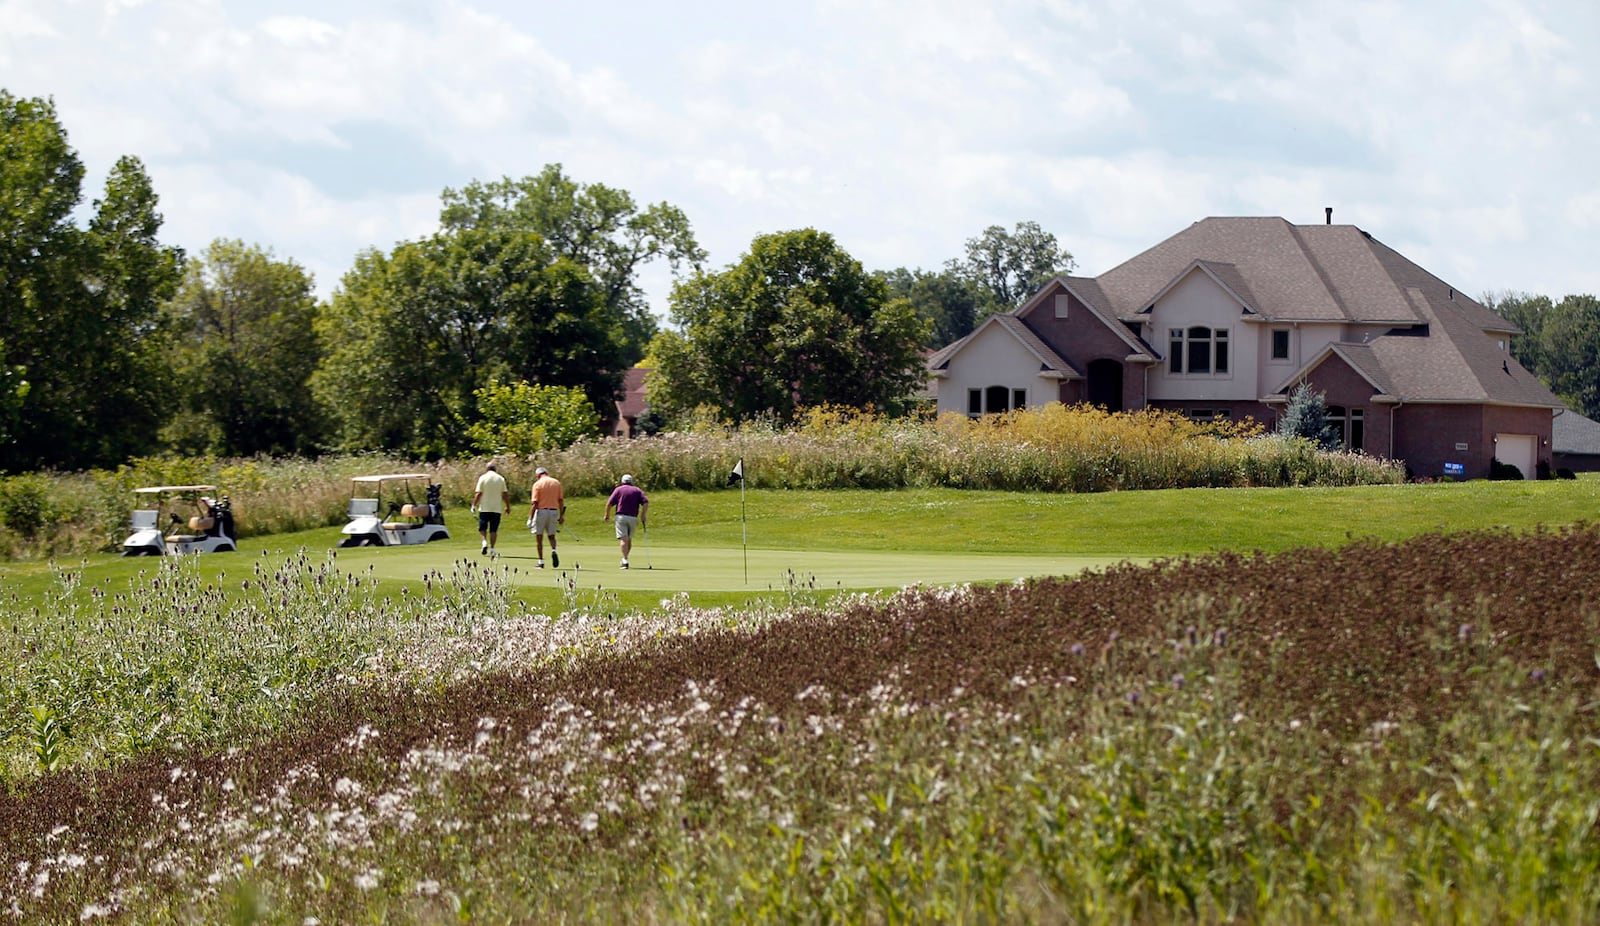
432	512
222	518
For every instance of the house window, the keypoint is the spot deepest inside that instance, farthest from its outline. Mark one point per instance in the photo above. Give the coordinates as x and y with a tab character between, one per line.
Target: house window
1280	344
994	400
1349	425
1336	422
1063	304
1198	350
1208	414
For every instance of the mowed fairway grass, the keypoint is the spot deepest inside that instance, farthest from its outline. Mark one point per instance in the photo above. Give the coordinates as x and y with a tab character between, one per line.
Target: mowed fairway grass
726	547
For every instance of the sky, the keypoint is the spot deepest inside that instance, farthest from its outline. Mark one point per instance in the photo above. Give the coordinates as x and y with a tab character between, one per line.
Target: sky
1463	133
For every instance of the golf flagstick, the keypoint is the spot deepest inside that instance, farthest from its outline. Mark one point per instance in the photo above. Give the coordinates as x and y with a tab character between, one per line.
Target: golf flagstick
744	531
648	563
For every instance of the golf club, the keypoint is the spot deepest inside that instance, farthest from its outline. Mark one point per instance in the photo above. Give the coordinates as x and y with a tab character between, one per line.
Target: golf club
569	533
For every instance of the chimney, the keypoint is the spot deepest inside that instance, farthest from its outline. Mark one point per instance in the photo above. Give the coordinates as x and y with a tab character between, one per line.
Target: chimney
1329	211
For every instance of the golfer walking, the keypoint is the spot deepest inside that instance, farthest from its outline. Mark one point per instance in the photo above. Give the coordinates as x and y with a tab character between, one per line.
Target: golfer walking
631	506
489	500
547	511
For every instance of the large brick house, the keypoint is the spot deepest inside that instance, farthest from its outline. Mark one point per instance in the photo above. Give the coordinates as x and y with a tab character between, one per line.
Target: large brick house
1226	317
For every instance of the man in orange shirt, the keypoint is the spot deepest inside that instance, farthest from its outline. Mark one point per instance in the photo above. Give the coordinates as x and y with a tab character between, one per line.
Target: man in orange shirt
547	511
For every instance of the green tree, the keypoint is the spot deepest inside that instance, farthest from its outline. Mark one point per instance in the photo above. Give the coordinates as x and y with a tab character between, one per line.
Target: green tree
525	419
796	322
243	350
595	226
950	301
1011	266
1570	346
14	387
1527	312
410	337
80	304
1306	416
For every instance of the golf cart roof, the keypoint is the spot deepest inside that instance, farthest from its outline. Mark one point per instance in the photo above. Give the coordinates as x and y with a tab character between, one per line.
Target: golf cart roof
157	490
390	477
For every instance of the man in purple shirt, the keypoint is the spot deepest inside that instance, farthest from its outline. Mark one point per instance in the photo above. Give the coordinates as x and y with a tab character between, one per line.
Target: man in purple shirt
631	506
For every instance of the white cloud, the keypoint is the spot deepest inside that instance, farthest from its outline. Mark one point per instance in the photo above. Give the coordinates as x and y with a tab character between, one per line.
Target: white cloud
1457	130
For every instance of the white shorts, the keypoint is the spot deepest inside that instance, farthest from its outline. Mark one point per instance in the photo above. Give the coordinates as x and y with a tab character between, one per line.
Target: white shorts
626	525
544	521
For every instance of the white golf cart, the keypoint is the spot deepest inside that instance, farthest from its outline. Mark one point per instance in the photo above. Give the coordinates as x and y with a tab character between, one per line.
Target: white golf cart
402	523
208	530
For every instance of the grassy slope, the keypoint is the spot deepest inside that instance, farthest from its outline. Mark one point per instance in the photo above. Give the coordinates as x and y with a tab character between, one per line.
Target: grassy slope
724	547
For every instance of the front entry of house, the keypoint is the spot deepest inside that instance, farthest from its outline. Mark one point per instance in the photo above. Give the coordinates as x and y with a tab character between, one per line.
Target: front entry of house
1520	450
1105	384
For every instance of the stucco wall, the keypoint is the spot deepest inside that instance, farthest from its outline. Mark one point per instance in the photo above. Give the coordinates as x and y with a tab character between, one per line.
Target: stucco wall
994	358
1198	300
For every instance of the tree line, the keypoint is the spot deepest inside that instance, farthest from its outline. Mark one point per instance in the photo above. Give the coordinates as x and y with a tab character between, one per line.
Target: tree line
116	345
1560	343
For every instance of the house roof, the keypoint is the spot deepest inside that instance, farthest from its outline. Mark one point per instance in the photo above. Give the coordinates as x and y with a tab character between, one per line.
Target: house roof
1454	361
633	400
1089	293
1573	433
1285	272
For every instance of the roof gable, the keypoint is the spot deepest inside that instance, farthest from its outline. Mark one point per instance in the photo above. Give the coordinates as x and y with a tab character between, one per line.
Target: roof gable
1090	296
1225	276
1049	360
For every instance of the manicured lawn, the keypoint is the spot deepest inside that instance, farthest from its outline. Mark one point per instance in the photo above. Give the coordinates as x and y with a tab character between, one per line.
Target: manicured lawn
721	548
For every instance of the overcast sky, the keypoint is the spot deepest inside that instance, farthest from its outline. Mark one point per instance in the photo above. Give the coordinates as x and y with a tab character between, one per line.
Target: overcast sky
1461	132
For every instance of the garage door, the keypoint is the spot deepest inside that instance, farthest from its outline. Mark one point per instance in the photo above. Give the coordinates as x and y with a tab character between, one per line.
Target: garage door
1520	450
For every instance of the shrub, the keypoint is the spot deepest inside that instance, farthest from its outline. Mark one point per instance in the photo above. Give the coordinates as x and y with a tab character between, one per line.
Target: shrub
1508	472
25	503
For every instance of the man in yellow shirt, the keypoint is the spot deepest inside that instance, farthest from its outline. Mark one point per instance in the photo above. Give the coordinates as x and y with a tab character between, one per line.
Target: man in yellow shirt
489	500
548	510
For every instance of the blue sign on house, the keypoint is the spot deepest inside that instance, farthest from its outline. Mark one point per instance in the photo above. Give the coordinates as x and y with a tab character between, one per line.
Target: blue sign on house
1455	469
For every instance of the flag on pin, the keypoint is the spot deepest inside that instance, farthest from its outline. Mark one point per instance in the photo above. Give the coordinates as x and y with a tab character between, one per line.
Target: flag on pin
737	475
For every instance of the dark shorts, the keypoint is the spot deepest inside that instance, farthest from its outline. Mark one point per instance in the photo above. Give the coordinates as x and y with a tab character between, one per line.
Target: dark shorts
488	520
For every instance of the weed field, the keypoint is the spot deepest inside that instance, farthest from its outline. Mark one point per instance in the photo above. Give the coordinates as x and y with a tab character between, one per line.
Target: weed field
1317	716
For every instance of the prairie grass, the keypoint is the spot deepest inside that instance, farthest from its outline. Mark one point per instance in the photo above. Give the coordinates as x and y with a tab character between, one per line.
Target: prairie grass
1047	449
1381	732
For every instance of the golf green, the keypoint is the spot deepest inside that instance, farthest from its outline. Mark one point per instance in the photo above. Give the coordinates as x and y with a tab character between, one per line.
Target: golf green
670	568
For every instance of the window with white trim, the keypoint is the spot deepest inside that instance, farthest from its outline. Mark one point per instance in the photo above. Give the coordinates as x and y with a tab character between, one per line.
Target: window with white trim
993	400
1197	351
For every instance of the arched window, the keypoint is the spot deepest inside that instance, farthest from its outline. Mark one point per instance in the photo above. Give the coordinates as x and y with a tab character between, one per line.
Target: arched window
994	400
1197	351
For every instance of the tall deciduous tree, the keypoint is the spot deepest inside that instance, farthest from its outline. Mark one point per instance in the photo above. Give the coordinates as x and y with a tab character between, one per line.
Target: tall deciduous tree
950	301
80	305
243	350
1527	312
595	226
1570	344
411	336
1012	266
795	323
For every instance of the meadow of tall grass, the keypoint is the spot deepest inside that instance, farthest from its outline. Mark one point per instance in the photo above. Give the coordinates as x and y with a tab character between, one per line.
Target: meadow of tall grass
1378	733
1050	449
